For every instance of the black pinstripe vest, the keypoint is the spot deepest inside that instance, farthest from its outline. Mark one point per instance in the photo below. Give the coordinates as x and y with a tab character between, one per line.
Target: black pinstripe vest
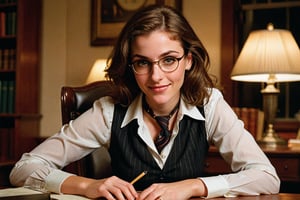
130	156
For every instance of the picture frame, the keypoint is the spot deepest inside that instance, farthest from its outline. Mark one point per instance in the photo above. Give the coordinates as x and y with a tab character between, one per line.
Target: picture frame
109	17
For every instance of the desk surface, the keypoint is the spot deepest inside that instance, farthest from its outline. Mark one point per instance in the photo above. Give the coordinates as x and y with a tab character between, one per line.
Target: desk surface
11	193
282	196
282	150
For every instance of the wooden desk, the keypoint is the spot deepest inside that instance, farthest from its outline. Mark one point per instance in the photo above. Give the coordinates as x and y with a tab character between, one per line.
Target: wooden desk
281	196
24	193
285	160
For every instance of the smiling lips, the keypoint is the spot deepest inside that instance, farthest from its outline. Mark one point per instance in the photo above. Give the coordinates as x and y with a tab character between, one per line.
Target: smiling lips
159	88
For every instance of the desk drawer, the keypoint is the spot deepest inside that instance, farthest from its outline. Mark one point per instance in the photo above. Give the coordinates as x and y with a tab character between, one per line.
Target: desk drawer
5	169
288	169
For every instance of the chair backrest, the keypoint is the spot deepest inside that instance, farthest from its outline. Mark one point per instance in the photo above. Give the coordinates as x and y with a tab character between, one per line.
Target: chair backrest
75	101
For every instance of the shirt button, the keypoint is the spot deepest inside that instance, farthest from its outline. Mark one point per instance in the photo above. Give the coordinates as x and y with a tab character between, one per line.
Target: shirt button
161	177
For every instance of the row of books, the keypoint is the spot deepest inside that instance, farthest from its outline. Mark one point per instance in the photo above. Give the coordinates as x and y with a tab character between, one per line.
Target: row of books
8	59
253	119
7	96
8	23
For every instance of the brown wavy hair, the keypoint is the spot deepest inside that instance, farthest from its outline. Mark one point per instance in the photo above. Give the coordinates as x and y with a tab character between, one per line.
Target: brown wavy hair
151	18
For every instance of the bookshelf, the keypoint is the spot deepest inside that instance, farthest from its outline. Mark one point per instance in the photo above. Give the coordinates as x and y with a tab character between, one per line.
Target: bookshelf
20	22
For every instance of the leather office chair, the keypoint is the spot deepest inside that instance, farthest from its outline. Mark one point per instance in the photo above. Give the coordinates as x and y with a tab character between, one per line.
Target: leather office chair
75	101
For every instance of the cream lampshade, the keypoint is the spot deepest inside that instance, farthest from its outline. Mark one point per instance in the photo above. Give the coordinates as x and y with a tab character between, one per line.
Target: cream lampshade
97	72
269	56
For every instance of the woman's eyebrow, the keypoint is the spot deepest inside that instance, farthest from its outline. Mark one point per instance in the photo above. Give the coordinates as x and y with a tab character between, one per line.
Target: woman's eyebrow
162	55
139	56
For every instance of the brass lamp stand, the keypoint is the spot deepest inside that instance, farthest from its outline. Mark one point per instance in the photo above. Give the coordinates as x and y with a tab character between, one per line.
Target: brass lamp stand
270	102
270	56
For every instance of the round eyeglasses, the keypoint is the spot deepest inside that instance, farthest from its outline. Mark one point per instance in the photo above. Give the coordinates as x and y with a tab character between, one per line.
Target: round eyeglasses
166	64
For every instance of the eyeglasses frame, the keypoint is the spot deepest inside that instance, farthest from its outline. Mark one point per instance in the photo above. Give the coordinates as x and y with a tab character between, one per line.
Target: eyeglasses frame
157	62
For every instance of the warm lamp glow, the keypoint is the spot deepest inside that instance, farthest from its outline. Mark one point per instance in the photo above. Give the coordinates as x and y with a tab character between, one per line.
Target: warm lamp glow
270	51
269	56
97	72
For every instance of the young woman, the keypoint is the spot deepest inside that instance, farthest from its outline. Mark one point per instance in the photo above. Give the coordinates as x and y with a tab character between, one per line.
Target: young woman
163	119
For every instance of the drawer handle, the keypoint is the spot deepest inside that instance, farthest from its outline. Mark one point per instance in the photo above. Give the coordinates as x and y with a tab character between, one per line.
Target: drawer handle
286	167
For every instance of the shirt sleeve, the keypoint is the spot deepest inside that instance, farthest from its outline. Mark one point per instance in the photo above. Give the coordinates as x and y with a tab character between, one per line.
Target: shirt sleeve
42	166
253	174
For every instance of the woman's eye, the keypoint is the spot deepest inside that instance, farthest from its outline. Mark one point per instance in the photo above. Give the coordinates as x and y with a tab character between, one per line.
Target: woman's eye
142	63
169	60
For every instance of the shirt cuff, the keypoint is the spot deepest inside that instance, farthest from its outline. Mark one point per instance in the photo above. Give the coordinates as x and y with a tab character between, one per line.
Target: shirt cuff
54	180
216	186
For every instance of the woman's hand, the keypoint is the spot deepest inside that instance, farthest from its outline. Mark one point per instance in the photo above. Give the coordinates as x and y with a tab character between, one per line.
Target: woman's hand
111	188
177	190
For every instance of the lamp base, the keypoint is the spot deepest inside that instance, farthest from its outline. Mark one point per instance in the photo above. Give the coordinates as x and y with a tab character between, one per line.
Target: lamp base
271	139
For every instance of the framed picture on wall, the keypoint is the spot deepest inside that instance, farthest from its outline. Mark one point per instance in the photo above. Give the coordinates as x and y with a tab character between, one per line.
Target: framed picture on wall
109	17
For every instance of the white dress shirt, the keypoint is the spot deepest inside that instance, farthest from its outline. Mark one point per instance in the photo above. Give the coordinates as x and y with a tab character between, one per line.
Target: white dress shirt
253	172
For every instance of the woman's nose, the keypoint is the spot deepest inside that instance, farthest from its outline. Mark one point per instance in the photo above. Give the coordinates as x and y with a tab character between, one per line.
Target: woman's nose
156	72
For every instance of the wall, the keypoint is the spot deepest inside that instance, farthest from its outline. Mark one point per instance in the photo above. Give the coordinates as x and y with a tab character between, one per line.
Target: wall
53	63
67	55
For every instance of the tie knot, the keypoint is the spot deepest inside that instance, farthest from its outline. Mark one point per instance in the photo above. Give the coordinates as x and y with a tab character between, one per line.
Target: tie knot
164	117
163	121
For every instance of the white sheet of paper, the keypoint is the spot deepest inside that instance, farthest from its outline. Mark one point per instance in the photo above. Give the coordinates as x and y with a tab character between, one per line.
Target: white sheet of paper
26	191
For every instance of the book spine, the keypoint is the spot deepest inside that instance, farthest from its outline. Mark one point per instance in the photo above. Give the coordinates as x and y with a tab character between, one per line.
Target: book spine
5	59
13	23
260	125
4	94
12	63
252	125
11	96
7	96
2	24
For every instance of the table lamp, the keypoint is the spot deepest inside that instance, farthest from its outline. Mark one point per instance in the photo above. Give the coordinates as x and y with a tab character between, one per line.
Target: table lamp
97	72
269	56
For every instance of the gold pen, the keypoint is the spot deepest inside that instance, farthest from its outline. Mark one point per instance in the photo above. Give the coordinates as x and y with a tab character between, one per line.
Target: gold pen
138	177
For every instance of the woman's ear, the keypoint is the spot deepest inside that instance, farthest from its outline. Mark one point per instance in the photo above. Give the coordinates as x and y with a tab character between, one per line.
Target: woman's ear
189	61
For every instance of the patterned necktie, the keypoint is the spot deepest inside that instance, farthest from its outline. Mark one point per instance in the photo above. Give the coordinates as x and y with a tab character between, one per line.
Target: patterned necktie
165	134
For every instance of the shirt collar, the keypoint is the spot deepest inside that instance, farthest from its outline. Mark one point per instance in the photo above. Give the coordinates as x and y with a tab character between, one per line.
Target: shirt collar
135	111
